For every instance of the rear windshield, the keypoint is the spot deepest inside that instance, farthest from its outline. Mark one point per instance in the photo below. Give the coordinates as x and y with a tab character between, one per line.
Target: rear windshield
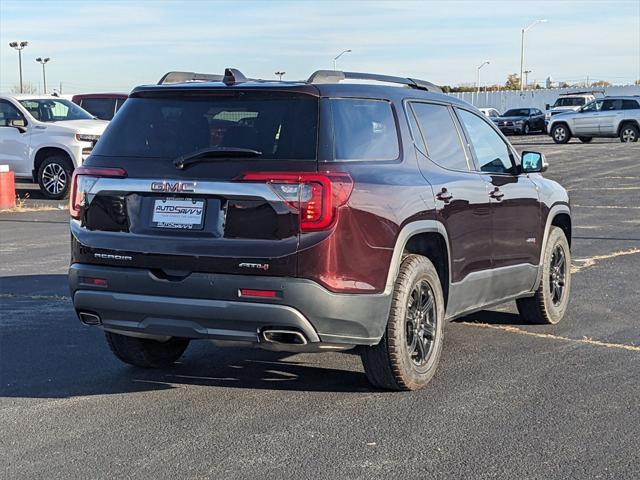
517	112
280	125
570	102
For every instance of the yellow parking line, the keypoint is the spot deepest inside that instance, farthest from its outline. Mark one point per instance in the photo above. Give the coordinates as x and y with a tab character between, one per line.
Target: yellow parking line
591	261
548	336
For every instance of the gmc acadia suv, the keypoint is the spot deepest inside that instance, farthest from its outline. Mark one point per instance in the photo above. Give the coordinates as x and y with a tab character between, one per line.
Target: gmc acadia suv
310	216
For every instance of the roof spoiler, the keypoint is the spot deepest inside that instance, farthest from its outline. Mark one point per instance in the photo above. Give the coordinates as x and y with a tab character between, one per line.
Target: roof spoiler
334	76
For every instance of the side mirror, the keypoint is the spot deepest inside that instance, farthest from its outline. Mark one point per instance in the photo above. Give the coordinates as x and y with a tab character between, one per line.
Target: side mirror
534	162
546	107
18	123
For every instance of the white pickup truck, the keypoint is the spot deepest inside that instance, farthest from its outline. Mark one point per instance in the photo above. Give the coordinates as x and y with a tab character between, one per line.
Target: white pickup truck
44	138
606	117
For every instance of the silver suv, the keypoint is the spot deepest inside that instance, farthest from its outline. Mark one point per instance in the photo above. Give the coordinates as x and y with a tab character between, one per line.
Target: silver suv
606	117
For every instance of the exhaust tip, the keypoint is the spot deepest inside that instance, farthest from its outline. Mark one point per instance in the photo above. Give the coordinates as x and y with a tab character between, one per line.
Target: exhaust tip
283	337
89	318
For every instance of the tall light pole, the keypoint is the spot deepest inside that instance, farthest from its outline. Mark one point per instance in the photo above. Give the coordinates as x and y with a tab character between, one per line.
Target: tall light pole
335	59
280	74
43	61
478	78
526	78
524	30
19	46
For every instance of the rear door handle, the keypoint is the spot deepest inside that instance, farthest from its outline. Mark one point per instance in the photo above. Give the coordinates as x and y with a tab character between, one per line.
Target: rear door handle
444	195
497	194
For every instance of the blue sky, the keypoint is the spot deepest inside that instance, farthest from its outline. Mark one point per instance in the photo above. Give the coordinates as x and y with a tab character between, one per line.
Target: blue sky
115	45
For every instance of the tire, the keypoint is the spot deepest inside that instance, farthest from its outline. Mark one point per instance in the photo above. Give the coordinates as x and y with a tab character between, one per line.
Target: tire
629	133
526	129
145	353
54	177
585	139
560	133
409	351
546	306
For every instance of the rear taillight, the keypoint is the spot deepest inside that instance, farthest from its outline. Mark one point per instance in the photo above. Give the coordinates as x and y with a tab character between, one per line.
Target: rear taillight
83	179
315	196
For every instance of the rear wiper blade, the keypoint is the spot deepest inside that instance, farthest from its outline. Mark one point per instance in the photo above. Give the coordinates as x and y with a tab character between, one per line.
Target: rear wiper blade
208	153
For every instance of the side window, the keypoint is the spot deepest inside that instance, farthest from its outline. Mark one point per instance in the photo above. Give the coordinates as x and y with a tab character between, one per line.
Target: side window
363	129
493	114
630	105
8	114
443	145
491	151
103	108
593	106
609	105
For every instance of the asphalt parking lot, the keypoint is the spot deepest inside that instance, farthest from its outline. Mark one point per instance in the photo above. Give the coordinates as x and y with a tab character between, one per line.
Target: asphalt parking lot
509	400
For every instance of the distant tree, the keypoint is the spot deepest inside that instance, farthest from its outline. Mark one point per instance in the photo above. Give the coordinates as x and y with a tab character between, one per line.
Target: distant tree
513	82
601	83
27	87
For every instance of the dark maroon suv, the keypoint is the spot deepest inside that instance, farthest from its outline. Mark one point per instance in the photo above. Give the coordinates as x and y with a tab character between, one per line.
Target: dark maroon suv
310	216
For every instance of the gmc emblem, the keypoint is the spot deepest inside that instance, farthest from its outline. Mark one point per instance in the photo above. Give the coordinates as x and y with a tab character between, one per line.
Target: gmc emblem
174	187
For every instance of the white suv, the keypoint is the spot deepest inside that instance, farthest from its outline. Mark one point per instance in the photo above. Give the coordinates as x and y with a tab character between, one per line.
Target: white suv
44	138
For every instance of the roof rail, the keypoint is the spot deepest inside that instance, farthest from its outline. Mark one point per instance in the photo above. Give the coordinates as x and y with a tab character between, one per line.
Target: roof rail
334	76
582	93
181	77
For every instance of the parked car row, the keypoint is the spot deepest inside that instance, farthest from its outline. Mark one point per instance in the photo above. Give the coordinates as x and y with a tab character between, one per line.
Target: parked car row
580	115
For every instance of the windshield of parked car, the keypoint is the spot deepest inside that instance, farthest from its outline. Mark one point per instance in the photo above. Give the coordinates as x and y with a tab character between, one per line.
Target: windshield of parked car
54	110
280	125
570	102
517	112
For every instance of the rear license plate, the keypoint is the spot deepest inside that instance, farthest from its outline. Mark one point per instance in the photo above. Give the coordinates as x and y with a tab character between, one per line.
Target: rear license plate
178	213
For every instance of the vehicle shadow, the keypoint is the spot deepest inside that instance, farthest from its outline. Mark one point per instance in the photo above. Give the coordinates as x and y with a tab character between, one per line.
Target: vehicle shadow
492	317
45	352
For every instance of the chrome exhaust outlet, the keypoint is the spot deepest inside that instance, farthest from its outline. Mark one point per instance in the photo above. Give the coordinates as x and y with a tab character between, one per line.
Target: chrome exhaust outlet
89	318
282	337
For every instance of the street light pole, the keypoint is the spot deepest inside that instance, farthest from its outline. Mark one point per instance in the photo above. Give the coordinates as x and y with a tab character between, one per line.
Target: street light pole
524	30
478	79
280	74
19	46
526	78
335	59
43	61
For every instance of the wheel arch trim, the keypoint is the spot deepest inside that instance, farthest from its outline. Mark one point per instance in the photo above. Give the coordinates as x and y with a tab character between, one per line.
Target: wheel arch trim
407	232
554	211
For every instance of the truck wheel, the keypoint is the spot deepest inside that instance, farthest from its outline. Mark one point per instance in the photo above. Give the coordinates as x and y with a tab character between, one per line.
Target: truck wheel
585	139
146	353
408	353
629	133
54	177
550	301
560	133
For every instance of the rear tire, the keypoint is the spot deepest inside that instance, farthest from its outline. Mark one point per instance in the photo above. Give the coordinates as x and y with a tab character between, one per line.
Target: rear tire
146	353
550	301
409	351
560	133
585	139
629	133
54	177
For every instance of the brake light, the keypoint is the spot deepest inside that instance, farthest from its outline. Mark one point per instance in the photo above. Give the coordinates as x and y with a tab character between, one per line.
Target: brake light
83	179
315	196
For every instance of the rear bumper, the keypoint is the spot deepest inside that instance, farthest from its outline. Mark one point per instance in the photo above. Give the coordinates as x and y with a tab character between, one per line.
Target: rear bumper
137	302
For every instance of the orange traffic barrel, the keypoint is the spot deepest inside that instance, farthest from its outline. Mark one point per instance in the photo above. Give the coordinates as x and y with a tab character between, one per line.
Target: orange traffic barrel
7	188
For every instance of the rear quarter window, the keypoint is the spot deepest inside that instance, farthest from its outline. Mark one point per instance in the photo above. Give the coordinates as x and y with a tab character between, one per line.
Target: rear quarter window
360	130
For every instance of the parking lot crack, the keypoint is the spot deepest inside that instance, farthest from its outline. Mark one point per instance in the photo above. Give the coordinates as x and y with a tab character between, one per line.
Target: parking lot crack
591	261
548	336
